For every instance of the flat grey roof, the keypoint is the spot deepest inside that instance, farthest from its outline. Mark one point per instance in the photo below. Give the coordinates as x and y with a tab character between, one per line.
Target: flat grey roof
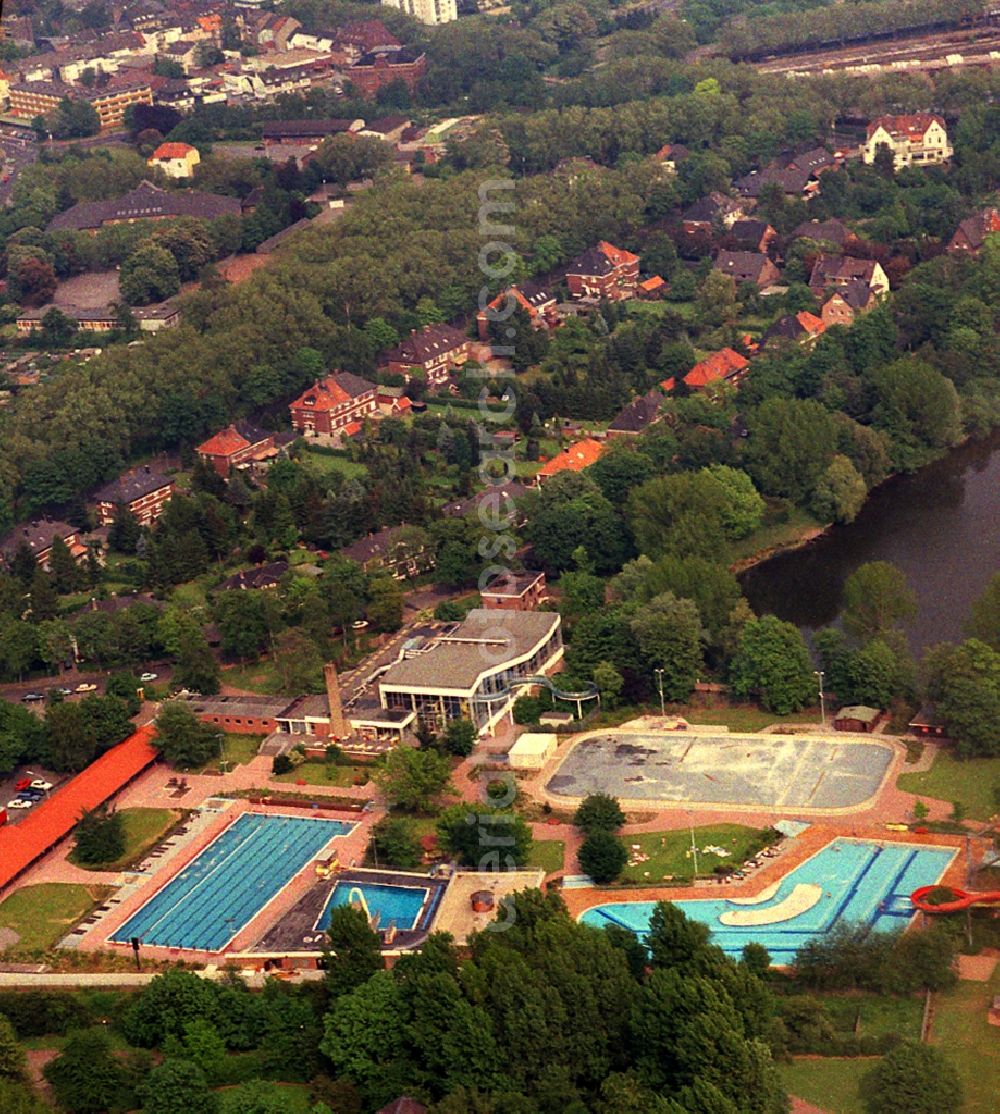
484	640
270	706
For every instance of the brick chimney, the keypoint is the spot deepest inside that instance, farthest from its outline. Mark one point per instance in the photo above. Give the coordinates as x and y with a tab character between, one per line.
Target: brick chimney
338	724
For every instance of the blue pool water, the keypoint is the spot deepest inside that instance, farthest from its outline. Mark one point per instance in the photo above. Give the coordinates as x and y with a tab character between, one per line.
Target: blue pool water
862	882
207	903
399	905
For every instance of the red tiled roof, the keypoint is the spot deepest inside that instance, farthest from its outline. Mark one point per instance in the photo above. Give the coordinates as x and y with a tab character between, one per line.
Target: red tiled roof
224	443
173	151
810	322
618	256
21	844
574	459
651	284
333	391
911	127
720	365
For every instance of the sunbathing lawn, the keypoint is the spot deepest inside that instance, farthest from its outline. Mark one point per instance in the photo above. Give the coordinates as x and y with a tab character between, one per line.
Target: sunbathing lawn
42	915
325	773
879	1013
325	465
144	828
670	852
237	751
547	855
746	719
971	781
961	1030
831	1084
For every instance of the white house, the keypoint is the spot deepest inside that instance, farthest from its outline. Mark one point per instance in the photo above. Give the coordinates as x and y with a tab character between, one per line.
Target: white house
917	140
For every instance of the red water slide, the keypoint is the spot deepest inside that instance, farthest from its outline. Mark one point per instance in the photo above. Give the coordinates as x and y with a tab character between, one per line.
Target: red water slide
962	900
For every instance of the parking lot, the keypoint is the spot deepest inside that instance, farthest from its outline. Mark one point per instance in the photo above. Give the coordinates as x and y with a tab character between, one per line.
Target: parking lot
8	788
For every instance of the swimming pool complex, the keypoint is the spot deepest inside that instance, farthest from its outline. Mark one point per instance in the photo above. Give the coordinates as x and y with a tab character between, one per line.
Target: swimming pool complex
396	905
227	884
859	881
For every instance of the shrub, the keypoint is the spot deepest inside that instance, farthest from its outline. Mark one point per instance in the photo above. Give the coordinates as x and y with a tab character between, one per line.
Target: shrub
282	764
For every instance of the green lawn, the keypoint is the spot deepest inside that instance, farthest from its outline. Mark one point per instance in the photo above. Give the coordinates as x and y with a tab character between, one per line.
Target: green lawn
237	750
258	676
961	1030
324	464
294	1097
746	719
670	852
879	1014
547	855
42	915
972	781
831	1084
144	828
325	773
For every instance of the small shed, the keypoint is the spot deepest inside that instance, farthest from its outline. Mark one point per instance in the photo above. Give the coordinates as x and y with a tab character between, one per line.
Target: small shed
556	719
926	724
532	751
857	717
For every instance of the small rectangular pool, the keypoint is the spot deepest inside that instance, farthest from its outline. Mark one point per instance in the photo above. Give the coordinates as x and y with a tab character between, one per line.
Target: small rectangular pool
855	881
228	883
396	905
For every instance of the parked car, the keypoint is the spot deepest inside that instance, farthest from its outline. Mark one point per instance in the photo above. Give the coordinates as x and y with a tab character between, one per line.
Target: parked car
64	691
22	783
40	783
33	697
86	686
147	677
18	803
31	795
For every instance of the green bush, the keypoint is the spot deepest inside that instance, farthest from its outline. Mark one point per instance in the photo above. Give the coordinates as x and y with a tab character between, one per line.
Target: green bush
282	764
36	1013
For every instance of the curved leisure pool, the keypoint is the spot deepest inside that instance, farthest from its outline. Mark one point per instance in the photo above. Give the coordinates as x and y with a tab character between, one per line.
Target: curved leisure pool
861	881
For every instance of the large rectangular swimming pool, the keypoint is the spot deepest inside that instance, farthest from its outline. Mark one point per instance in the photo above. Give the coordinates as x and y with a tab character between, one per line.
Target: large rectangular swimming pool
207	903
856	881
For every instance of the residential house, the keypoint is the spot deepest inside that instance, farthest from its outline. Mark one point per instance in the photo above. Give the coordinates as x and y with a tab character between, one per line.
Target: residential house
836	271
799	328
274	31
832	231
143	492
393	401
145	202
652	289
498	500
574	459
402	551
184	53
638	416
920	139
605	273
747	266
237	444
726	365
333	404
971	233
815	161
537	303
712	210
670	154
382	67
751	235
38	537
431	12
365	36
515	591
792	182
846	302
176	160
434	351
259	578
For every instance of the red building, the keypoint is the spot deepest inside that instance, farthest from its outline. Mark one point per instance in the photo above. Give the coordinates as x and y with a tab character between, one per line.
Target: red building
382	67
236	444
604	272
144	493
726	364
38	537
333	403
538	304
523	591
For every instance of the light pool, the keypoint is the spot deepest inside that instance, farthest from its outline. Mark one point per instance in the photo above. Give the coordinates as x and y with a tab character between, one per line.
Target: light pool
862	881
396	905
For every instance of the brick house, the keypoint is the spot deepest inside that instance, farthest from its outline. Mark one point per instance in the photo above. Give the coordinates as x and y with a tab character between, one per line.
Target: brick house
574	459
538	304
378	68
726	365
832	231
847	302
715	208
799	328
920	139
234	445
792	182
604	272
971	233
751	235
38	537
333	403
523	591
436	350
639	415
747	266
837	271
143	492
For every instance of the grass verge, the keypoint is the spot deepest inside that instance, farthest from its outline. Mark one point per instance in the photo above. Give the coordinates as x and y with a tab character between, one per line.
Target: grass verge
326	773
669	853
831	1084
547	855
42	915
961	1031
973	781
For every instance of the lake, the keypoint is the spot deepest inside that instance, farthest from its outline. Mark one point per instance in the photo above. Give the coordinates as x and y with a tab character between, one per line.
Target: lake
941	526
